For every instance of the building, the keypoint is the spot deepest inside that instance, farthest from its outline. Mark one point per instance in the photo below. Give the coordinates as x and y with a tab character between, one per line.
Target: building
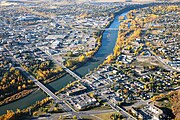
156	112
76	90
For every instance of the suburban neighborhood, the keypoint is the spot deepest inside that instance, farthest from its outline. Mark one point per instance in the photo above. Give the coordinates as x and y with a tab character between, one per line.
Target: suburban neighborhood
89	60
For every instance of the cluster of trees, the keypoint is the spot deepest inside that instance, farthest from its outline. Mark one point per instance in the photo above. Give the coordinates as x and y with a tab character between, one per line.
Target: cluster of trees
44	70
12	81
116	117
123	41
163	9
73	62
82	58
109	58
174	98
11	115
16	96
137	23
70	63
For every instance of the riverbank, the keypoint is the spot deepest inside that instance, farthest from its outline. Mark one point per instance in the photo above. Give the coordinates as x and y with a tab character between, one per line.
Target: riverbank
16	96
28	91
106	49
89	55
18	114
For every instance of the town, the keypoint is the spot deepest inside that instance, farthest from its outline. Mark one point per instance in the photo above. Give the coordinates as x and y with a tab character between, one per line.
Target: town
43	42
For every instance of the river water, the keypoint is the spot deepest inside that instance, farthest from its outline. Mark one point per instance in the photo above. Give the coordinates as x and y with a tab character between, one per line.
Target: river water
108	42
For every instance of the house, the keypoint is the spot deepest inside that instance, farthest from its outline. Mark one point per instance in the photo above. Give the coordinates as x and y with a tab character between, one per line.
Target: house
116	99
157	113
136	113
96	76
86	103
139	70
76	90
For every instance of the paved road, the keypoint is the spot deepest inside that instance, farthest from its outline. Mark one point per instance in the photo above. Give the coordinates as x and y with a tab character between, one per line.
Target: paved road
65	68
119	109
63	104
80	113
167	67
39	84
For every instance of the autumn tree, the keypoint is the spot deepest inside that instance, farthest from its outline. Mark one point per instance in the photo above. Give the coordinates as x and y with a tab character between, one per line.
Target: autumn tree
82	58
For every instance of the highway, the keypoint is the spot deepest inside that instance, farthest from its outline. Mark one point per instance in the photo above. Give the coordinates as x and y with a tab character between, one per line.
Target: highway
119	109
80	113
167	67
68	70
66	107
65	68
39	84
63	103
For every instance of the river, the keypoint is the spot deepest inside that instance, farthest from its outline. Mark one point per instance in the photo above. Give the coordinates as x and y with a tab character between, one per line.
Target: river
108	42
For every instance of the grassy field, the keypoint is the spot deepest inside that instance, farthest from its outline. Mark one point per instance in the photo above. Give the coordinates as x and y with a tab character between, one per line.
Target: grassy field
103	116
101	107
164	103
106	116
88	118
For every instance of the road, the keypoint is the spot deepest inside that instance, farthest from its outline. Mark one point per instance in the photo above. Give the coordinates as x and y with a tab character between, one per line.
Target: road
119	109
65	68
165	66
39	84
80	113
63	103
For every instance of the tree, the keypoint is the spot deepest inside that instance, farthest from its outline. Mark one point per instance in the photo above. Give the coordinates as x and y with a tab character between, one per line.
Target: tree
60	117
82	58
109	58
70	54
117	50
17	73
35	113
145	87
13	81
23	86
12	69
90	53
74	117
19	87
115	116
55	109
91	94
69	63
151	78
125	91
9	115
40	73
5	75
18	111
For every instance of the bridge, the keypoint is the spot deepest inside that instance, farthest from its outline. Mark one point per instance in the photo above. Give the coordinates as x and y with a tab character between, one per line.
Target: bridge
64	105
116	29
95	29
40	85
68	70
83	28
65	68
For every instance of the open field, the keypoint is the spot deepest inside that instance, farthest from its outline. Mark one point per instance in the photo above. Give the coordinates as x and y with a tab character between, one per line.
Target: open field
106	116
